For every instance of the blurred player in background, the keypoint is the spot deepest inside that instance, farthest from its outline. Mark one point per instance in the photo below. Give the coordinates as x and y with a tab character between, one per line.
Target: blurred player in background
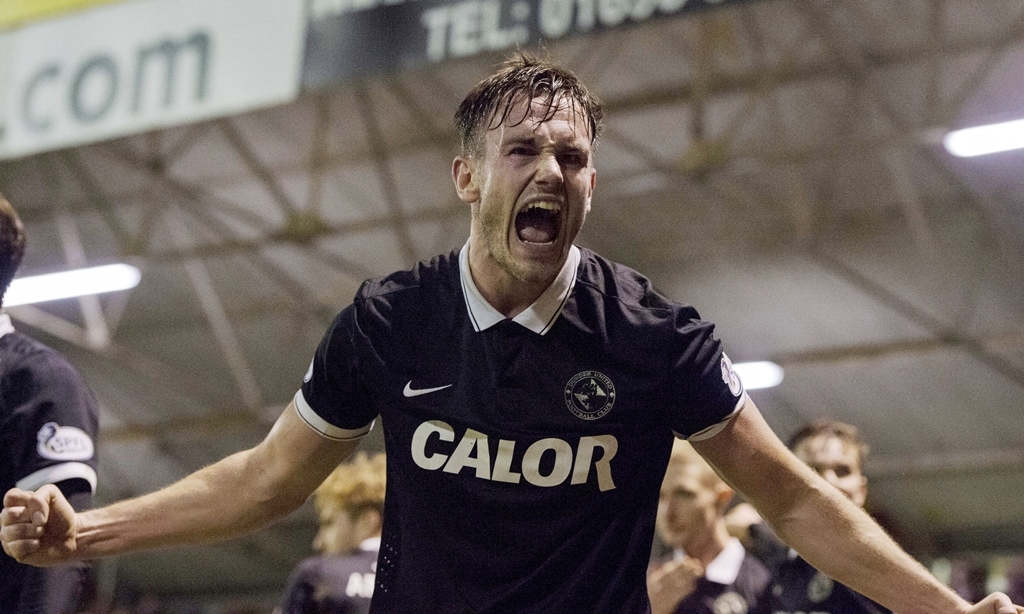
836	452
48	426
350	505
709	571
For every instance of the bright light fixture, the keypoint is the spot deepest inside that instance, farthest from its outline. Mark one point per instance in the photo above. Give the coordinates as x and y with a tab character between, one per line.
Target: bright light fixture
68	284
760	374
987	139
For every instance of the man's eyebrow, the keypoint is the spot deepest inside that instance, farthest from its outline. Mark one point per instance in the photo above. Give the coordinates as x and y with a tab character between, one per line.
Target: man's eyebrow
517	140
574	146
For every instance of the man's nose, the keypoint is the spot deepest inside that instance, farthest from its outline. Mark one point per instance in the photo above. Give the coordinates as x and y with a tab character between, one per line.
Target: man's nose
548	169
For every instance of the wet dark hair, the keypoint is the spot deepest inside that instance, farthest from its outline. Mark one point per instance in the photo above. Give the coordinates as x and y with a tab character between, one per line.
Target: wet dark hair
847	433
12	244
522	76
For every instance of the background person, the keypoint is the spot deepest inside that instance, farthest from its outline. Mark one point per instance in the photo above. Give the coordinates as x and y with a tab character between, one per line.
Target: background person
527	387
350	505
836	452
709	571
48	425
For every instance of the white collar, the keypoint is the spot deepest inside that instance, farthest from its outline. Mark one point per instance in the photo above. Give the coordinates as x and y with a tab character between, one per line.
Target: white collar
5	324
370	544
725	567
538	317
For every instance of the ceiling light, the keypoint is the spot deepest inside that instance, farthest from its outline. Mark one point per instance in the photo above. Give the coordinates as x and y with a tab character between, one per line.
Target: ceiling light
68	284
988	139
760	374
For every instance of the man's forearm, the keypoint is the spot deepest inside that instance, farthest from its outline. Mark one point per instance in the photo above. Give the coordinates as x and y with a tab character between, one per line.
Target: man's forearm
224	500
235	496
840	539
819	522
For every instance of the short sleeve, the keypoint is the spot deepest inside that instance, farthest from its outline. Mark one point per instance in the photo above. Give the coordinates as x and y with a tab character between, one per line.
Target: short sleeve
53	425
705	391
333	399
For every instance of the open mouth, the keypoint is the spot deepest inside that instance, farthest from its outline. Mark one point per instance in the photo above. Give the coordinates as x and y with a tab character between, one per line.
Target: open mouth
538	222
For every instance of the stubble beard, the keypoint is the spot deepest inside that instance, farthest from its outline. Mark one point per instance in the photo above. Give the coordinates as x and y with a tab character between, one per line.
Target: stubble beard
496	239
497	242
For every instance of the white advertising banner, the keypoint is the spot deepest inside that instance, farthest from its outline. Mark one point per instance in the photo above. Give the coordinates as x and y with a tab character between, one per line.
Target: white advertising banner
135	66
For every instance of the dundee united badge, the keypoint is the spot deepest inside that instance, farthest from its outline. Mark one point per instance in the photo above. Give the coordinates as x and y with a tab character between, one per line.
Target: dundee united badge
589	395
730	602
820	588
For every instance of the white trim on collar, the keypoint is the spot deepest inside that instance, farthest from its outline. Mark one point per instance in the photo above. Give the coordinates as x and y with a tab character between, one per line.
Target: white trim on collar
5	324
538	317
725	567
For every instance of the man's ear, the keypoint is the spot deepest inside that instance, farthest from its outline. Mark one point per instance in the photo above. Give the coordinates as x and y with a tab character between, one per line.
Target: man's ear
466	179
723	497
593	182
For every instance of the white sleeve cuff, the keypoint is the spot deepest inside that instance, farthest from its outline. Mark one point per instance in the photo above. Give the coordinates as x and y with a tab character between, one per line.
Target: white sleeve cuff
58	473
716	428
323	427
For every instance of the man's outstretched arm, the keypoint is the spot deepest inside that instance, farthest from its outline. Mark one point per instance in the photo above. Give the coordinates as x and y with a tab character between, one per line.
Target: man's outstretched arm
235	496
820	523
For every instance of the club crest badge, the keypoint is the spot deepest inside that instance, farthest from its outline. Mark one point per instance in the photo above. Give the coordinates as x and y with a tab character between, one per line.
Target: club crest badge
589	395
820	588
730	602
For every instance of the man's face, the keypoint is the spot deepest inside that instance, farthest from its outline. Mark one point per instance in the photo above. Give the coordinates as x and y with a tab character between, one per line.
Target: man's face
530	190
688	508
837	462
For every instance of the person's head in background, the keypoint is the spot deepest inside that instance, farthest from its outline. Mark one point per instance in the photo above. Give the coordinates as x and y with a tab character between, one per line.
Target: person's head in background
691	505
350	504
12	244
836	452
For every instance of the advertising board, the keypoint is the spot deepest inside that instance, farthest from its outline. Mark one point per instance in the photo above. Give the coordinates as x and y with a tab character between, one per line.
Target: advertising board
350	39
131	67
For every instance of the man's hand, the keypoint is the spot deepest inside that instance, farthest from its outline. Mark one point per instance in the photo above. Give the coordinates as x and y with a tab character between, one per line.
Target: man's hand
38	528
996	603
673	582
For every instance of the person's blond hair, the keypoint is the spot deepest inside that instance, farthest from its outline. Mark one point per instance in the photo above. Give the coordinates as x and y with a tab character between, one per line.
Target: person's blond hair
354	486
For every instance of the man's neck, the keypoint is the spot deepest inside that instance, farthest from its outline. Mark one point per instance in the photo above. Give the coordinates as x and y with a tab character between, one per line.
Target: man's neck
709	546
508	295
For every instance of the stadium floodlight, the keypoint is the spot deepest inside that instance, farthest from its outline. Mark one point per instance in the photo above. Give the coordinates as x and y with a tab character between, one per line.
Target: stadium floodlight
759	374
69	284
987	139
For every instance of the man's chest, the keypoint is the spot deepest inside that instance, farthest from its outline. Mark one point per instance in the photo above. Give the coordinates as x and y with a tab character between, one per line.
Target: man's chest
522	409
509	379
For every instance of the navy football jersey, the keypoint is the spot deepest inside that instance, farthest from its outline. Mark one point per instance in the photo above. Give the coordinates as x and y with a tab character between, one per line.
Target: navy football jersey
332	584
733	583
525	455
48	422
798	587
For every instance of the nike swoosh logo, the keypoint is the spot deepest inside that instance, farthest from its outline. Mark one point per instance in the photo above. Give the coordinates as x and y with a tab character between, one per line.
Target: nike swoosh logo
415	392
